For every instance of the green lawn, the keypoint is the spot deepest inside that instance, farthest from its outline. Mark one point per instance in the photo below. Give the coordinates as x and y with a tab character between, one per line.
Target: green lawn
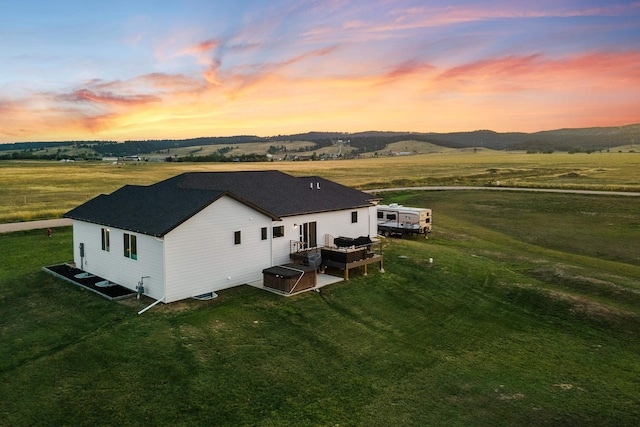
512	324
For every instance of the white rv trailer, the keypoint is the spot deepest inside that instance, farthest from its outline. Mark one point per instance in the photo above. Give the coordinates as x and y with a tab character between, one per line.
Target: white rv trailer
395	219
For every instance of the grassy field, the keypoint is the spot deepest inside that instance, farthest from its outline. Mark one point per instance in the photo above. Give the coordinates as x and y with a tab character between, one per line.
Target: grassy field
42	190
237	149
529	315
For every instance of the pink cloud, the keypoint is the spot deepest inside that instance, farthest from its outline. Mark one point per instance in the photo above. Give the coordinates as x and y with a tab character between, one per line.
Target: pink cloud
201	48
109	98
615	69
494	69
407	69
7	107
425	17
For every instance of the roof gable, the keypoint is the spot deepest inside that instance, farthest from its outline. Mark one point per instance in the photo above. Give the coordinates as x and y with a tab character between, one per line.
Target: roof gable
135	208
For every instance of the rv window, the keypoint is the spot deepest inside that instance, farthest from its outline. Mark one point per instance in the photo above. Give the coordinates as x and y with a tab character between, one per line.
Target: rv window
391	216
380	215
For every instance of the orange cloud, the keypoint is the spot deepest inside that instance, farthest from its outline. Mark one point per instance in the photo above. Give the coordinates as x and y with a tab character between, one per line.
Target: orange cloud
169	82
211	73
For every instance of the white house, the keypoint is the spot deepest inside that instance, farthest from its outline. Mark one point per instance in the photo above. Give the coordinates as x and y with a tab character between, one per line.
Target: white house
202	232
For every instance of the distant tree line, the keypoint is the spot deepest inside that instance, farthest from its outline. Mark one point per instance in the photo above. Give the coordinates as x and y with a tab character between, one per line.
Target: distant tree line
29	155
136	148
219	157
34	146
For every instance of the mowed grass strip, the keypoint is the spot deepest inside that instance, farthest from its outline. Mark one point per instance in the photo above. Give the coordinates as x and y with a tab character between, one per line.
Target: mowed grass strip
487	334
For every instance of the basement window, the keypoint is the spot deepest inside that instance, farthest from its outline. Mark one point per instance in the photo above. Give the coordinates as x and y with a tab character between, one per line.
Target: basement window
106	245
237	237
130	246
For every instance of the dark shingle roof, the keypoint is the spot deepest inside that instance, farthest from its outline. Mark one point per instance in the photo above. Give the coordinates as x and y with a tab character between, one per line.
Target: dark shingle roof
159	208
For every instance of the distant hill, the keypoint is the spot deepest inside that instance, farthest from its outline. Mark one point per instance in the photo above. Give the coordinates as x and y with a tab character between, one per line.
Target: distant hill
579	139
571	140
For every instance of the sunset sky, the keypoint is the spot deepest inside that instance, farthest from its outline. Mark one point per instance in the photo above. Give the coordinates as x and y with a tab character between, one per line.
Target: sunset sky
142	69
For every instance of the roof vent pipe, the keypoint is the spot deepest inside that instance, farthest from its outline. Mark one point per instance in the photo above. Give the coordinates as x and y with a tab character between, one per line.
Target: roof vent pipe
318	185
311	185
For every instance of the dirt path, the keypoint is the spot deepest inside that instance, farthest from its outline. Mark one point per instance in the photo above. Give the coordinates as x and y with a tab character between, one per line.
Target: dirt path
539	190
34	225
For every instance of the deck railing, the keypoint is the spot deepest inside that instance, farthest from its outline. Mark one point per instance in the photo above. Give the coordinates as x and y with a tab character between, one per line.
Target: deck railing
303	248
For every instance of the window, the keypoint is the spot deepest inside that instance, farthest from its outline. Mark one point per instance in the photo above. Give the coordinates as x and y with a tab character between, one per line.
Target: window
106	245
237	237
354	216
130	246
278	231
391	217
264	233
380	215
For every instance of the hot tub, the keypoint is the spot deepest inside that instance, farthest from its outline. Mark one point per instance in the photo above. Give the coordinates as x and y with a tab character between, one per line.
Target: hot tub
289	278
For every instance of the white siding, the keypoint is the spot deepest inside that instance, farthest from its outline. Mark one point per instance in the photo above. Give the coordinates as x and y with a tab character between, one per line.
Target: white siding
373	221
113	265
337	223
201	255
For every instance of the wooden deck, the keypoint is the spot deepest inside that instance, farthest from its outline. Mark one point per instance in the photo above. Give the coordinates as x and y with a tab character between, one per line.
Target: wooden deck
345	257
346	266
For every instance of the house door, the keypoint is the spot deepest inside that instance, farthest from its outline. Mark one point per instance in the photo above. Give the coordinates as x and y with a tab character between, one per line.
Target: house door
308	234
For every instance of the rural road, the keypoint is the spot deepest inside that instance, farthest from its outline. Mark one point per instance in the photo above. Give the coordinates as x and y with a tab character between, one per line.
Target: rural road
34	225
539	190
63	222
